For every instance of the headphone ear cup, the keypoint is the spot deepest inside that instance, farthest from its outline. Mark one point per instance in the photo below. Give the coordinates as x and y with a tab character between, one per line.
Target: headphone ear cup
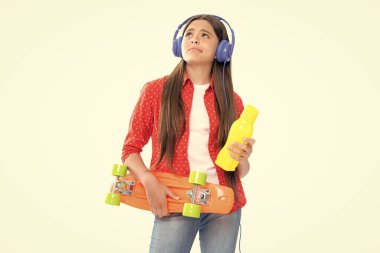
223	51
177	43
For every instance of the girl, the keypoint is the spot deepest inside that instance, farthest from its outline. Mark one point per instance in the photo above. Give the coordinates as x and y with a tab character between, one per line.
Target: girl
188	115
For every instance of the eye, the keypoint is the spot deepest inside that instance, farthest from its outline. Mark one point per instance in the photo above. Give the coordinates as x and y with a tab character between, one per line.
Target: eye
187	34
205	34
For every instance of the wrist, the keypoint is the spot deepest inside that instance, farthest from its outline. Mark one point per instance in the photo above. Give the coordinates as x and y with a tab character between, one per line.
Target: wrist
243	168
243	163
145	176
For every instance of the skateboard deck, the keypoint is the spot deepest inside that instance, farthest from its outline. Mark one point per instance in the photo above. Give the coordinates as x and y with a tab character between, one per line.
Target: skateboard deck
212	198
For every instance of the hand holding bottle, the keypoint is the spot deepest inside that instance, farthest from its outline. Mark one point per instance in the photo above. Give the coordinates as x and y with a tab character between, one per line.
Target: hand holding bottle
241	152
241	129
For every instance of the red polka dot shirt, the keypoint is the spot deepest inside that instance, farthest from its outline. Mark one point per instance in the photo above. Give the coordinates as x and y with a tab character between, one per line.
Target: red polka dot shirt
144	124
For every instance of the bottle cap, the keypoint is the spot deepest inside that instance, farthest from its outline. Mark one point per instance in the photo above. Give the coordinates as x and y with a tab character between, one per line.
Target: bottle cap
250	113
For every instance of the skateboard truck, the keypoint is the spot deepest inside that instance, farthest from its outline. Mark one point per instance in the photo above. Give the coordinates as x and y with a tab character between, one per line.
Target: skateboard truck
124	187
203	197
191	209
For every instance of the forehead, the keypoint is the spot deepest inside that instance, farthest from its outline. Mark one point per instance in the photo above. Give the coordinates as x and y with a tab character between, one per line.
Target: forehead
199	24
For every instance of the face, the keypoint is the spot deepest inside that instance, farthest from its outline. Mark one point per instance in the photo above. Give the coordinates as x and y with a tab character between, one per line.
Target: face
199	43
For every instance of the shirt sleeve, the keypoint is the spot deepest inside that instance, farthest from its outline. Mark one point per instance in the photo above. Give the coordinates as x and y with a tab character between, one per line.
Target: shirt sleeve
140	125
239	105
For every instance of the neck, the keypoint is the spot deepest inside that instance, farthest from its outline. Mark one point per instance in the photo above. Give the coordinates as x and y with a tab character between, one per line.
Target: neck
199	74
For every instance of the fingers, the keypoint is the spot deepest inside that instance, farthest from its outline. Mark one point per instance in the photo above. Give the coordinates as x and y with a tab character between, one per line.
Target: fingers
172	194
160	209
241	151
238	149
160	212
235	156
243	146
158	203
249	142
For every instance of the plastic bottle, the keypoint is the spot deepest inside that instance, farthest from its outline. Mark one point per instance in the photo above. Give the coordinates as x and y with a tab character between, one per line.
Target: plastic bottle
241	128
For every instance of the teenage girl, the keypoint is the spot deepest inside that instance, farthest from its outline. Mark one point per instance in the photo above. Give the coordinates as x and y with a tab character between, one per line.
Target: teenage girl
188	115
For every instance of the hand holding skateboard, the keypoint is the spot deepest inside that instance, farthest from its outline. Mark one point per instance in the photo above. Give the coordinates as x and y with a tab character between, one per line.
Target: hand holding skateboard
157	194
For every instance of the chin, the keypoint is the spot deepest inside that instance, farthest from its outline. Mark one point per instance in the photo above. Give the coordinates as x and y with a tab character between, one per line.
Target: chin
193	60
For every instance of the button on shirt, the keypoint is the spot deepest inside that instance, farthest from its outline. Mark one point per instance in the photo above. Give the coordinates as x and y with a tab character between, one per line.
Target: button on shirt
144	124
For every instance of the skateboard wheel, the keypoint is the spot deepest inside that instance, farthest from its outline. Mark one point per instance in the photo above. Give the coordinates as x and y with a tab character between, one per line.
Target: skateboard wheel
191	210
197	177
113	199
119	170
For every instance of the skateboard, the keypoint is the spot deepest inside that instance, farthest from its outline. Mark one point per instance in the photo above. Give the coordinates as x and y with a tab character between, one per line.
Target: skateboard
196	195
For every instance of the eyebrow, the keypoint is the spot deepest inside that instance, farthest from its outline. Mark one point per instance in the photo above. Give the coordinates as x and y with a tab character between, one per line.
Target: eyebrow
192	29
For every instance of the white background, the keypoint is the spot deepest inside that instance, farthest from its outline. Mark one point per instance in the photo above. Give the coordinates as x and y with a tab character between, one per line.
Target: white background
71	73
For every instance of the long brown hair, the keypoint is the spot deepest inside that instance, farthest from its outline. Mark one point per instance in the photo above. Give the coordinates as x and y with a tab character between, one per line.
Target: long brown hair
172	115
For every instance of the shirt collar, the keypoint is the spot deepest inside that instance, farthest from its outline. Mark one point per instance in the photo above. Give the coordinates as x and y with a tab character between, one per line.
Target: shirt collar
186	80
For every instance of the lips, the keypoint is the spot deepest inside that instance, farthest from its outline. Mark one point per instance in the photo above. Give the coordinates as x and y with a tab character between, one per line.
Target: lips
195	49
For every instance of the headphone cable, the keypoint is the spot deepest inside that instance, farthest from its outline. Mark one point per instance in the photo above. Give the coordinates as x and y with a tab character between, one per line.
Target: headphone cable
224	88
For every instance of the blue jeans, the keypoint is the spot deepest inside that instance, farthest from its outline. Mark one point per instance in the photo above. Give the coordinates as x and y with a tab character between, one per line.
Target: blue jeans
176	233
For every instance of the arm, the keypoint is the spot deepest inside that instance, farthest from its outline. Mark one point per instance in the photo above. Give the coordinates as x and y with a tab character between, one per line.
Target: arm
140	125
140	130
156	192
137	167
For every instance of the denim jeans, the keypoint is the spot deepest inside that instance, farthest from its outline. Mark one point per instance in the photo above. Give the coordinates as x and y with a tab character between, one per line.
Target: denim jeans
176	233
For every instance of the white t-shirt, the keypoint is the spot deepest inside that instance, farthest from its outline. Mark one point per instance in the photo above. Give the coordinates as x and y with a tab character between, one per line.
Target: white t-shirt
197	150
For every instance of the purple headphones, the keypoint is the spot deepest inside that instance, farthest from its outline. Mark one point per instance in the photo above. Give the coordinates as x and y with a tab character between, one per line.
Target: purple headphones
223	51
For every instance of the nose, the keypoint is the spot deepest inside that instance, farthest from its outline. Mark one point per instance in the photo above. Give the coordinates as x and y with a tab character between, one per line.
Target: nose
194	40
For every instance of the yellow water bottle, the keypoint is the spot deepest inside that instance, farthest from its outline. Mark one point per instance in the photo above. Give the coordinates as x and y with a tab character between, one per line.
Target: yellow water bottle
241	128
